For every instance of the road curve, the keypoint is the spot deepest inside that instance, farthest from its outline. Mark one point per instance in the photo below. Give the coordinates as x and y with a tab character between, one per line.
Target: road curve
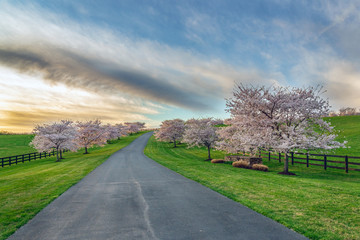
132	197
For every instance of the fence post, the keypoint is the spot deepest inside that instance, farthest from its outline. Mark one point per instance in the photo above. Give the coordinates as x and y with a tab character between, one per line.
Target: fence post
325	162
279	157
292	158
269	156
307	159
34	156
346	164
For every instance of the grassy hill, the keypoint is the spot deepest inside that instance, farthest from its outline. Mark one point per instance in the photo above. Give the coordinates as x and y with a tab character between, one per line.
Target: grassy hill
348	128
11	145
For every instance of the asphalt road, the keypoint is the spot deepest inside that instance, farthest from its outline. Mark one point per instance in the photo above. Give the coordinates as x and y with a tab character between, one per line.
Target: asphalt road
132	197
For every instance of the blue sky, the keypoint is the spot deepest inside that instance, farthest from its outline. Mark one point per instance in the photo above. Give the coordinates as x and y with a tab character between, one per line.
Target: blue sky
156	60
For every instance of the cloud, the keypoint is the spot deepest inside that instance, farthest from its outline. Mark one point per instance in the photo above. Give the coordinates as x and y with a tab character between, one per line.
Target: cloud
26	101
34	41
342	82
98	76
338	12
201	27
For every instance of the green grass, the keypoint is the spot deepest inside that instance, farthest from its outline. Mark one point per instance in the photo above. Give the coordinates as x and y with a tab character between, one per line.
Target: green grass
11	145
316	203
348	128
28	187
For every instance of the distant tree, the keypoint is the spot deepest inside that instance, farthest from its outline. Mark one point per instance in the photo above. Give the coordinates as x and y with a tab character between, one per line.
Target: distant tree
4	132
201	132
333	114
112	131
141	125
277	118
171	130
122	130
134	127
217	121
347	111
91	133
58	135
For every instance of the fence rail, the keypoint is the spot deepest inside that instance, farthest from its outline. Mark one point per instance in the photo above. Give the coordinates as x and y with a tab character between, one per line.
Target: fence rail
326	161
14	160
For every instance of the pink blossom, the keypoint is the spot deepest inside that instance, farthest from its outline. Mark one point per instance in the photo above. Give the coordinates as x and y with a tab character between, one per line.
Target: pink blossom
201	132
134	127
170	130
58	135
277	118
91	133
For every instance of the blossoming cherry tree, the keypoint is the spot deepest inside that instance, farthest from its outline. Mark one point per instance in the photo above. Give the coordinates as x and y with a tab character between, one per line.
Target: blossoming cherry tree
58	135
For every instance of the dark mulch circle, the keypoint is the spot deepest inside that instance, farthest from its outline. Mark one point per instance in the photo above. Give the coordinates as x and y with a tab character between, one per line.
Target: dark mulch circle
287	173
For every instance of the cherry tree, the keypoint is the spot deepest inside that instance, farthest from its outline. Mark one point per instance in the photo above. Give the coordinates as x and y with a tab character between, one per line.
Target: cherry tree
134	127
277	118
171	130
112	131
58	135
347	111
217	121
122	130
141	125
201	132
91	133
116	131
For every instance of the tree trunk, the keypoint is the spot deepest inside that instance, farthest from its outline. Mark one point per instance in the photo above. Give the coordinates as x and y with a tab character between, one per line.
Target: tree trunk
286	164
174	143
86	151
61	157
209	157
57	155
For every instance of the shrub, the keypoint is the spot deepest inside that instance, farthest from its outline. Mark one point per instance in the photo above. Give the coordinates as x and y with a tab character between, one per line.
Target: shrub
241	164
260	167
218	161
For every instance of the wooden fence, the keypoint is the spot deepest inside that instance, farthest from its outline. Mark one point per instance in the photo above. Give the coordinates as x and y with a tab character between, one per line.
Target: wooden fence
323	160
13	160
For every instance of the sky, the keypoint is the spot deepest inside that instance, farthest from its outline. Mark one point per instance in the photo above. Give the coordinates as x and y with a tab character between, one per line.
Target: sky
148	61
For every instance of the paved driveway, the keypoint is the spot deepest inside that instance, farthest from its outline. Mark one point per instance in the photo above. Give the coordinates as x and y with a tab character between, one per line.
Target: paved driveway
132	197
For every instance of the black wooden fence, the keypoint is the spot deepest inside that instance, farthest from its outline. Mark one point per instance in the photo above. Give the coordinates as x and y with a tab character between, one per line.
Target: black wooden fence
323	160
13	160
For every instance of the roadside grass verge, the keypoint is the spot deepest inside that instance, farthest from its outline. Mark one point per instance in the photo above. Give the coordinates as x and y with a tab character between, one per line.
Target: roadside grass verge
11	145
316	203
27	188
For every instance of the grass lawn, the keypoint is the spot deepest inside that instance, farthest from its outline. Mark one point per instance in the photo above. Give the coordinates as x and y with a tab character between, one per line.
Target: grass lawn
349	130
11	145
28	187
316	203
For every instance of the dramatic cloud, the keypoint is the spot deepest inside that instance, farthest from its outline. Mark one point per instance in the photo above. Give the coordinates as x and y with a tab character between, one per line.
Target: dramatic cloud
27	101
91	74
102	61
